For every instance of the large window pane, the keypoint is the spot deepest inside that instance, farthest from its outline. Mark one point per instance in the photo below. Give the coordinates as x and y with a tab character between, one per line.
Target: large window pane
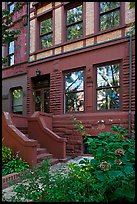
106	6
74	31
108	76
11	60
108	99
11	47
11	6
74	91
108	83
74	23
75	102
46	26
46	41
74	81
109	15
74	15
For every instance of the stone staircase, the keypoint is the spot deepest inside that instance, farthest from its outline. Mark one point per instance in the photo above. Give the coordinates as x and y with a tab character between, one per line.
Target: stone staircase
42	153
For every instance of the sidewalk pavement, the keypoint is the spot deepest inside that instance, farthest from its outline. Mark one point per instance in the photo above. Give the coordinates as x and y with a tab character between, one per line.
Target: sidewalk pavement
8	192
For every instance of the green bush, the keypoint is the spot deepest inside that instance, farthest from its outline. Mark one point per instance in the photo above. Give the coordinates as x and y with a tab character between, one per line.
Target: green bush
7	154
11	163
109	177
15	165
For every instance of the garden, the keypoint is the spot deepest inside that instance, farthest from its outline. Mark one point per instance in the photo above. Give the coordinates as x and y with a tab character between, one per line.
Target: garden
109	177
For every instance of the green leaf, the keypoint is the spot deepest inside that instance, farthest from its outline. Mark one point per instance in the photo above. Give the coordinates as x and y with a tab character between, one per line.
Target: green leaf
131	150
128	170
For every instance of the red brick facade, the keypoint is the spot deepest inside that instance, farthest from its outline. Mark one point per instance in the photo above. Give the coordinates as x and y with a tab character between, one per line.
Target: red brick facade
91	50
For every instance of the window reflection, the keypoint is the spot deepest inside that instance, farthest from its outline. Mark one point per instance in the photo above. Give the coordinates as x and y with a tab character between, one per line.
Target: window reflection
109	15
74	23
74	91
108	87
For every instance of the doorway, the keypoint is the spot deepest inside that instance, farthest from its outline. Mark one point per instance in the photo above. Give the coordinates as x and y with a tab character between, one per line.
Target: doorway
41	93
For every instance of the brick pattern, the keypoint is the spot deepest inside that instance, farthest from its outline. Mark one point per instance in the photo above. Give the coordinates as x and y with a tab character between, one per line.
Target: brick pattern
125	84
32	35
129	13
6	180
109	36
63	126
58	25
89	18
28	100
44	54
55	92
44	8
73	46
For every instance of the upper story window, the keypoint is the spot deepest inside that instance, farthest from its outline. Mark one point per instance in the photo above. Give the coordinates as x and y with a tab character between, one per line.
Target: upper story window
74	91
11	53
109	15
108	85
10	6
17	100
74	21
46	33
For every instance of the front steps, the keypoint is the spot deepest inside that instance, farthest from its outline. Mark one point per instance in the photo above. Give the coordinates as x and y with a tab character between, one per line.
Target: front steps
42	153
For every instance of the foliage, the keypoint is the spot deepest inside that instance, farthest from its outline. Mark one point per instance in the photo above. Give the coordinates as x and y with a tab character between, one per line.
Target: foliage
15	165
7	154
109	177
10	163
9	35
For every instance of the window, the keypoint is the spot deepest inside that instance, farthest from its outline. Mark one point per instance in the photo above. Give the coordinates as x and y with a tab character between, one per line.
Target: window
74	23
46	33
11	53
17	100
109	15
74	91
10	6
108	87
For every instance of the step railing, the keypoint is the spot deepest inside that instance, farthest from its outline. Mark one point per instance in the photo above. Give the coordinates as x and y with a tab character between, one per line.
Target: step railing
17	141
38	130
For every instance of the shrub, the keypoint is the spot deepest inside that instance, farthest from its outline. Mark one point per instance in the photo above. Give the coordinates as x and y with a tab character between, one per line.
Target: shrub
109	177
7	154
10	163
15	165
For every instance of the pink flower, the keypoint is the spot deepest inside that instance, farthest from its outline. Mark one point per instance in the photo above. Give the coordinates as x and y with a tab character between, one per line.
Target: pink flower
118	161
105	166
119	152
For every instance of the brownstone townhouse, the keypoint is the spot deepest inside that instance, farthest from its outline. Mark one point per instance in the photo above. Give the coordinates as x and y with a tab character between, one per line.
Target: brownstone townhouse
72	59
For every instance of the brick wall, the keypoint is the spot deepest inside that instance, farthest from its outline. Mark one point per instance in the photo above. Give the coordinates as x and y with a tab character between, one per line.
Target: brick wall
55	91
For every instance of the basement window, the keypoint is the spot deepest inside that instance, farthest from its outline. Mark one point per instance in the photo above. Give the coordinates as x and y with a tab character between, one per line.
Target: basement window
109	15
108	86
74	91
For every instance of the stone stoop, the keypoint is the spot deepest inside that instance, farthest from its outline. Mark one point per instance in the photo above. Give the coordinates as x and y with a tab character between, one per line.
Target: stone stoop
42	153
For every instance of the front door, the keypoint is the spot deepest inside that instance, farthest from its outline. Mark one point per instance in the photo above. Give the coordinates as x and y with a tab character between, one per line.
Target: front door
41	93
42	100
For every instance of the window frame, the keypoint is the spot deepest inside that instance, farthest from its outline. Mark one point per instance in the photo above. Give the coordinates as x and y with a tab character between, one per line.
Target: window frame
12	100
11	54
64	91
120	87
108	12
40	19
68	7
